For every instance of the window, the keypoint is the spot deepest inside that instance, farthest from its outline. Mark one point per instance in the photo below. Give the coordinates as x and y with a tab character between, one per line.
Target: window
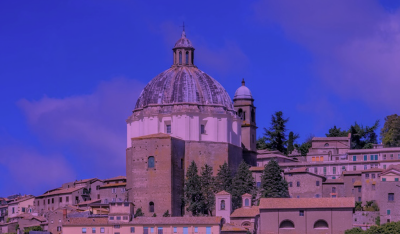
118	217
222	205
13	210
298	183
23	209
160	230
388	212
359	189
333	177
324	170
384	157
334	170
390	196
388	221
290	184
150	163
117	226
125	217
58	228
376	157
67	199
301	212
396	179
111	217
83	230
333	189
359	199
354	158
187	57
366	158
398	156
373	176
97	187
126	204
240	113
316	170
151	229
114	190
98	196
343	168
383	179
373	187
258	184
352	191
246	202
196	229
151	207
365	167
168	128
175	229
48	201
132	229
60	200
326	145
354	168
93	230
366	175
317	183
180	57
391	156
371	157
52	201
202	129
321	224
286	224
145	230
253	116
317	195
384	166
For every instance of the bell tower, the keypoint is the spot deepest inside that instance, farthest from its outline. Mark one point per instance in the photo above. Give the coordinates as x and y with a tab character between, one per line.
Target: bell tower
244	105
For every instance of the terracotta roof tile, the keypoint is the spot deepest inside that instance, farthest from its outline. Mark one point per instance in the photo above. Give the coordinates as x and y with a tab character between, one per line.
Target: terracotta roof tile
113	185
296	203
357	183
89	202
60	191
246	212
232	228
256	168
373	170
223	192
176	220
156	135
116	178
21	199
85	221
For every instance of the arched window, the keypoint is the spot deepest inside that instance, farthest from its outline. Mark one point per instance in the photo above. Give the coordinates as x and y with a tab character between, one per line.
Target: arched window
253	116
246	202
222	205
244	115
321	224
187	57
240	113
286	224
246	224
192	56
151	207
326	145
180	57
151	162
333	189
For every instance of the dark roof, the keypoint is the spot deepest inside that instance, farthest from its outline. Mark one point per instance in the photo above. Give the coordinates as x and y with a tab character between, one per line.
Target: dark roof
334	181
116	178
60	191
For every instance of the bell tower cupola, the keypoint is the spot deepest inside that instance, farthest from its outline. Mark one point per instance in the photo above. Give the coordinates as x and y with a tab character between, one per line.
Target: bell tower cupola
183	51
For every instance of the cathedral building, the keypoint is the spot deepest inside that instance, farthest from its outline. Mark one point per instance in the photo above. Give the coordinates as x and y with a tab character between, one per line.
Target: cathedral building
184	115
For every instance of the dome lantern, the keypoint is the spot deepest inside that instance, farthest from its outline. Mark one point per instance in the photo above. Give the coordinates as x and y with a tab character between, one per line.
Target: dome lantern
183	51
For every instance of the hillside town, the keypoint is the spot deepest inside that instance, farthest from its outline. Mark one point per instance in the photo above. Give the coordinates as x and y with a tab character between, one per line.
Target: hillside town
194	165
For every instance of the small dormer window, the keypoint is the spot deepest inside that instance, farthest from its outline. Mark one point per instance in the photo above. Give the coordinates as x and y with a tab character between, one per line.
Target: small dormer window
326	145
246	202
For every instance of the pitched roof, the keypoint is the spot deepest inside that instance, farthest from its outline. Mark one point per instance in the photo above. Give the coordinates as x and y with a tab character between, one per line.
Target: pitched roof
392	168
116	178
156	135
176	220
330	138
30	216
246	212
85	180
60	191
113	185
85	221
373	170
223	192
233	228
21	199
89	202
296	203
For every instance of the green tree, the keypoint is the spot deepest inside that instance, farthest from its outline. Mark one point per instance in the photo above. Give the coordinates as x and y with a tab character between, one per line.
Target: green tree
272	182
363	137
242	183
358	206
154	215
224	178
378	220
208	189
166	214
390	133
261	144
337	132
276	134
193	197
354	231
139	212
303	149
290	146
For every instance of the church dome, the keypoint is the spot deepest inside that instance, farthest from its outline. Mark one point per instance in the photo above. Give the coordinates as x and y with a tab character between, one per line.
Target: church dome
243	92
186	85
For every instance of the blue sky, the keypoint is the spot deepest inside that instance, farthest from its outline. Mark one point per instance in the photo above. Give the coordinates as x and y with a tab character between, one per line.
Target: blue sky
71	72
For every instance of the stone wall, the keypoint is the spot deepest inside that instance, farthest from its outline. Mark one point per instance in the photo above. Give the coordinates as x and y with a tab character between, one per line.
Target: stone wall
308	185
365	217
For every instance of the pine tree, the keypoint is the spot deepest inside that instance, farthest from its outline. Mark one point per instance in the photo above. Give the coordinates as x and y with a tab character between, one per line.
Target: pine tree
193	197
224	178
290	146
272	182
275	135
242	183
208	189
390	133
138	213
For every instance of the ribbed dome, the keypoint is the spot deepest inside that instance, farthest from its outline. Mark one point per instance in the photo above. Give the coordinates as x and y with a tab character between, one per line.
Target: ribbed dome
243	92
183	42
184	84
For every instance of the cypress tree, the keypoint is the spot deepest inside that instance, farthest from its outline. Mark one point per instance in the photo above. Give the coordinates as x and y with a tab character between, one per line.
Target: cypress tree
224	178
290	146
242	183
208	189
193	197
139	212
272	182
